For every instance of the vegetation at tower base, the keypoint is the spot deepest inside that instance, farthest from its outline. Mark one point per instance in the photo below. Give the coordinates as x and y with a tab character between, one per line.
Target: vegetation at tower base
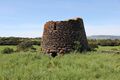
60	36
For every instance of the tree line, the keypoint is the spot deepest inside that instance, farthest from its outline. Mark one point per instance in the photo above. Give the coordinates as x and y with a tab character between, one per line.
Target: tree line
18	40
104	42
37	41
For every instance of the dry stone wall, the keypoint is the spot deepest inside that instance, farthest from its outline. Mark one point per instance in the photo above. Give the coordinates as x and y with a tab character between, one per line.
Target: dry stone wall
59	36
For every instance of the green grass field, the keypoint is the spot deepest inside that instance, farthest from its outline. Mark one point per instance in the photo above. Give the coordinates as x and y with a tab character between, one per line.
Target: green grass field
73	66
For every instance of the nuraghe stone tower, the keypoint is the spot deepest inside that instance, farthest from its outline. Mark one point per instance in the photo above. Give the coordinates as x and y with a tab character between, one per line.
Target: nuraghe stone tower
59	36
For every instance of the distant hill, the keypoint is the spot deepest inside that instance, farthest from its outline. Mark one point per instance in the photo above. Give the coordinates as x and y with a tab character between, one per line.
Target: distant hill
103	37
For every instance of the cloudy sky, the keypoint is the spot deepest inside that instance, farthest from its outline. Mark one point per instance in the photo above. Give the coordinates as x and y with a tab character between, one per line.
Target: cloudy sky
25	18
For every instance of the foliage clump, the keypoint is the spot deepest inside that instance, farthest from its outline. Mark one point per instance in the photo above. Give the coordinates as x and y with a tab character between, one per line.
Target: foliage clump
25	46
7	50
93	46
77	46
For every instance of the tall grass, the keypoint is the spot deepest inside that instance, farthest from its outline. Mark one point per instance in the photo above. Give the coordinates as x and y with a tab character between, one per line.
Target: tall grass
74	66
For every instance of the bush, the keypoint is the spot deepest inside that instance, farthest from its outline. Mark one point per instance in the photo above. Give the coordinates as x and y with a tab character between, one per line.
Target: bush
7	51
93	46
77	46
32	49
24	46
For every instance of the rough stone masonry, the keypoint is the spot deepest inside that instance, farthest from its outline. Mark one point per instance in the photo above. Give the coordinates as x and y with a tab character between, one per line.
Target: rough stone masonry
59	36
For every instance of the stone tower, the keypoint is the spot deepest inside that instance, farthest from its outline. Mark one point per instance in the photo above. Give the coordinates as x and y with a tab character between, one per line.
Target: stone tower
59	36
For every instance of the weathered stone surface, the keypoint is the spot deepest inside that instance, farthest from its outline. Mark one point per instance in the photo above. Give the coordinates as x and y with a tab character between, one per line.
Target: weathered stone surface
59	36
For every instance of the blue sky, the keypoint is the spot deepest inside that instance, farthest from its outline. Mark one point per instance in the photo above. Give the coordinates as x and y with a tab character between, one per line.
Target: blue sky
25	18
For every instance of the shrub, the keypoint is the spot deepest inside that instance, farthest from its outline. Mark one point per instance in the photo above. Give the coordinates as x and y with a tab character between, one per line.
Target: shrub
7	51
32	49
24	46
93	46
77	46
